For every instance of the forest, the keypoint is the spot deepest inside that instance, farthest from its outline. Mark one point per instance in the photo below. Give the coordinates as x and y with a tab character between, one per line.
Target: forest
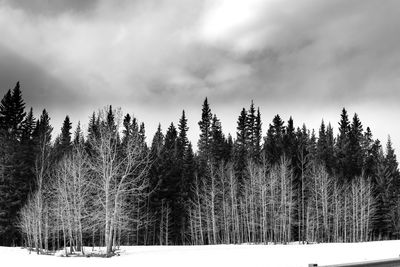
108	185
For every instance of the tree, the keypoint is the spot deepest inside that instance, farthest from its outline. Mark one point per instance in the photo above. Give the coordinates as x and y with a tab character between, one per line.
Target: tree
241	146
273	145
355	150
63	144
12	170
257	136
119	173
205	132
342	147
182	141
78	136
217	141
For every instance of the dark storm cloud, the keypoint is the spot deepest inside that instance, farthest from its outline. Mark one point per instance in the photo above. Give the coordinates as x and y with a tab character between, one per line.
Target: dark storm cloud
294	57
52	7
38	86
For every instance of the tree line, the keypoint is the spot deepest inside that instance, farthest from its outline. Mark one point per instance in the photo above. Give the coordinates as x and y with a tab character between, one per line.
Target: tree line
105	186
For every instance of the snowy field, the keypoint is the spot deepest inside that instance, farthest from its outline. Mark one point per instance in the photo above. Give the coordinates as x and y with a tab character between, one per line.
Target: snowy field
219	255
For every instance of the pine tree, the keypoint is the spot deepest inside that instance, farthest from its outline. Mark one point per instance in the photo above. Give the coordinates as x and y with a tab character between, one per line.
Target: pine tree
65	138
312	146
289	141
250	130
171	183
257	136
205	132
42	132
182	141
228	148
12	112
393	175
142	136
78	136
6	111
93	128
25	155
157	143
342	148
127	128
355	150
273	146
322	145
330	143
241	147
217	141
13	190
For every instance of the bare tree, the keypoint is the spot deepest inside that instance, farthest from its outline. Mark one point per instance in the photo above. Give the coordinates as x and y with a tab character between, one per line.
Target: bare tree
118	172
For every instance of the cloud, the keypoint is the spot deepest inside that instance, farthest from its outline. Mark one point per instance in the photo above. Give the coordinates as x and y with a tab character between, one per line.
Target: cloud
53	7
168	55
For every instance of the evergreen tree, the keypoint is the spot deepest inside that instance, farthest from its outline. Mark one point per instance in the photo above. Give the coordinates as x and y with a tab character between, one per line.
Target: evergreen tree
42	132
14	164
6	111
127	128
229	148
273	145
322	145
142	136
257	136
312	146
65	138
217	141
355	149
330	143
250	135
12	112
182	141
157	143
78	135
205	132
241	148
94	127
342	148
289	141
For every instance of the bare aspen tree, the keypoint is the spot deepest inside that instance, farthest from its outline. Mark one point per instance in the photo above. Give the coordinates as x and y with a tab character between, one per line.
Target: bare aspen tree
118	171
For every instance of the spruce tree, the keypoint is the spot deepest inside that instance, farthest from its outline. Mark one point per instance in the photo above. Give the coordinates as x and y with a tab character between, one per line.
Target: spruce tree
289	141
355	150
342	148
182	141
127	128
273	146
330	143
79	139
322	145
257	136
142	136
157	143
205	132
65	138
241	147
217	141
251	128
13	175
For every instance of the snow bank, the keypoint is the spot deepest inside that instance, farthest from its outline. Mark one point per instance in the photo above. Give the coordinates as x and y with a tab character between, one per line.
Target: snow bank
220	255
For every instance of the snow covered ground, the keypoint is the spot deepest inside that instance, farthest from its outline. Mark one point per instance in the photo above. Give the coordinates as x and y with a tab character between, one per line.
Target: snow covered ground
219	255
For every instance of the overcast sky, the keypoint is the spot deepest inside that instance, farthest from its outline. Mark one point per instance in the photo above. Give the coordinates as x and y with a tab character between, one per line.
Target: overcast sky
301	58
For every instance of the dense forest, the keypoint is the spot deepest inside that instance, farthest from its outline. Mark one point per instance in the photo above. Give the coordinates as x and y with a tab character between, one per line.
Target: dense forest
107	186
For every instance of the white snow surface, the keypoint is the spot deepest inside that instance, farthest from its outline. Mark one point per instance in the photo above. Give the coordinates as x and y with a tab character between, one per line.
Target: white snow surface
218	255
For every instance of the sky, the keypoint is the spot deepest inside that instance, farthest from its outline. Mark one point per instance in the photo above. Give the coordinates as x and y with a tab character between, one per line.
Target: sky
154	58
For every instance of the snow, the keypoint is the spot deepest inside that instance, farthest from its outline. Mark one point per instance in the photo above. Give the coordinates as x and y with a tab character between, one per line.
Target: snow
218	255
